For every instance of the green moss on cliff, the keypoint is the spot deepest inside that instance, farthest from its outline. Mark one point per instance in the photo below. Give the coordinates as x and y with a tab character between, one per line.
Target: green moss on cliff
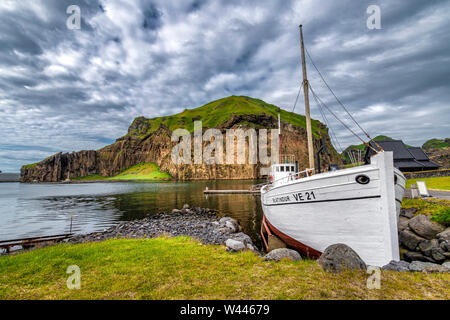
142	171
216	113
30	165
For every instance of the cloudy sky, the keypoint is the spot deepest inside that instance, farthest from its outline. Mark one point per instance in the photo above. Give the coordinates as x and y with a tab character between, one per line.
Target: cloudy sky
68	90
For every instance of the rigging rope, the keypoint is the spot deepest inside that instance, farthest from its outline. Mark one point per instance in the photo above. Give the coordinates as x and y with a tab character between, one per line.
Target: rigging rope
339	101
337	118
296	100
332	135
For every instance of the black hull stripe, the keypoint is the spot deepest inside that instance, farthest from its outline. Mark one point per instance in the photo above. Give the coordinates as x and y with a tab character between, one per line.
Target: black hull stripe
331	200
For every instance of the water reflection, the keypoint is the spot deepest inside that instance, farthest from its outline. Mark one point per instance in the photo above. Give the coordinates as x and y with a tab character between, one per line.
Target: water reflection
34	210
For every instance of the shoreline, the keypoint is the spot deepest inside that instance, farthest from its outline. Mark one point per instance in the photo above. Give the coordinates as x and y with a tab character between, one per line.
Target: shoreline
133	180
202	224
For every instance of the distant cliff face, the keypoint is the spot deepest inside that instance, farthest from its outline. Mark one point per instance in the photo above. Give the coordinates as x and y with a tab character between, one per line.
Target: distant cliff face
146	142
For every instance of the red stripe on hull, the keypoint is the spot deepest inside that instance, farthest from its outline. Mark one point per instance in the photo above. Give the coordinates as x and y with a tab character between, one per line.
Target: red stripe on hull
291	242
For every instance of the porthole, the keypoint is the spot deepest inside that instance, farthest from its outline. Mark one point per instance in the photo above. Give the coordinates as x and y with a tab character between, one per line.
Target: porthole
362	179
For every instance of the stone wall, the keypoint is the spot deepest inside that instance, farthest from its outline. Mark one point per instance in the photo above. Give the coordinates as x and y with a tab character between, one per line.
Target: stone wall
427	174
421	239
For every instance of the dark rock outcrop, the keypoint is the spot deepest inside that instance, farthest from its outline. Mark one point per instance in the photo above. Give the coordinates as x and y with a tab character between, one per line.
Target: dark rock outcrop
139	147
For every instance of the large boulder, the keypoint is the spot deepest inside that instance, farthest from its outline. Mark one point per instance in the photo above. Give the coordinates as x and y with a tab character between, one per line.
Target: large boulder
414	256
409	239
245	239
446	267
408	212
231	224
419	266
278	254
428	245
438	255
402	223
235	245
339	257
444	235
425	228
396	266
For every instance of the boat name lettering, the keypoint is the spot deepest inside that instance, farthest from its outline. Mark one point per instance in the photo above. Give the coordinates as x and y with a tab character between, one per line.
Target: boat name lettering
304	196
281	199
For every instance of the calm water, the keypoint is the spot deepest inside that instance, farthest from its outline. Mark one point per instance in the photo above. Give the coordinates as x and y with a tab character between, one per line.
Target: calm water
28	210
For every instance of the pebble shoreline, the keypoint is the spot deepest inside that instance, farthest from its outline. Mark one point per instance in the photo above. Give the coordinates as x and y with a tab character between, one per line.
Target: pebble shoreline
200	223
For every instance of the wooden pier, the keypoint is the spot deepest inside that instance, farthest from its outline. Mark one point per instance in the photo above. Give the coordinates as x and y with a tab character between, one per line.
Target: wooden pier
27	243
255	189
231	191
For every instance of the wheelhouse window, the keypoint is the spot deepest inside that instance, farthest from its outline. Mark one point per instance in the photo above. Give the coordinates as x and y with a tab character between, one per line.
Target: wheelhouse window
282	169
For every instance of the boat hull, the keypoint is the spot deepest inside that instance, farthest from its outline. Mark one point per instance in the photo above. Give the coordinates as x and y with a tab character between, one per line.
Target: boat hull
313	213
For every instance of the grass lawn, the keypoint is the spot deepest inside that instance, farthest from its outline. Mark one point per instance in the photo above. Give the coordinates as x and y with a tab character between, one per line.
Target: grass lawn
442	183
182	268
142	171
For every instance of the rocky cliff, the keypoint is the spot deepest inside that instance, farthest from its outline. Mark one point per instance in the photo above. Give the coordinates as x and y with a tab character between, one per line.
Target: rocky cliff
149	140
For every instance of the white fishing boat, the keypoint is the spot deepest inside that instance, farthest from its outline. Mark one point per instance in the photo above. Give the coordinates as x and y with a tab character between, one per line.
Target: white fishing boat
357	206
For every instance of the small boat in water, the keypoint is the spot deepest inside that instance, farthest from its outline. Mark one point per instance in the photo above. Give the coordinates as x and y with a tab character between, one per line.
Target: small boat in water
357	206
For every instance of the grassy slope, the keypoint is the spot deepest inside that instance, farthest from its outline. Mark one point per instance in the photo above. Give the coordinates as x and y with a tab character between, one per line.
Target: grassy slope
439	210
218	112
142	171
441	183
436	144
181	268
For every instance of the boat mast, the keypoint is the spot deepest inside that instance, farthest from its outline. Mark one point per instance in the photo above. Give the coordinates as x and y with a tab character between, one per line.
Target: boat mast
307	113
279	139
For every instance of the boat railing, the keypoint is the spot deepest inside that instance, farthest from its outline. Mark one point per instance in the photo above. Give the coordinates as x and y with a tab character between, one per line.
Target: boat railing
292	177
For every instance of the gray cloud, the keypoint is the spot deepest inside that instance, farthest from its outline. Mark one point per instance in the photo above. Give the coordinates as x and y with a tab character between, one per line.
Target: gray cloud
65	90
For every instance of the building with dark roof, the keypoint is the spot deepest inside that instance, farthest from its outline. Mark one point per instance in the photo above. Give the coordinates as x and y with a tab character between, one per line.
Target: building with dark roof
406	159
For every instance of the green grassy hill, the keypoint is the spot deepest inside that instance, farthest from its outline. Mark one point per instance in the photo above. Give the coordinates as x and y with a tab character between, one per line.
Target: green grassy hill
217	113
436	144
